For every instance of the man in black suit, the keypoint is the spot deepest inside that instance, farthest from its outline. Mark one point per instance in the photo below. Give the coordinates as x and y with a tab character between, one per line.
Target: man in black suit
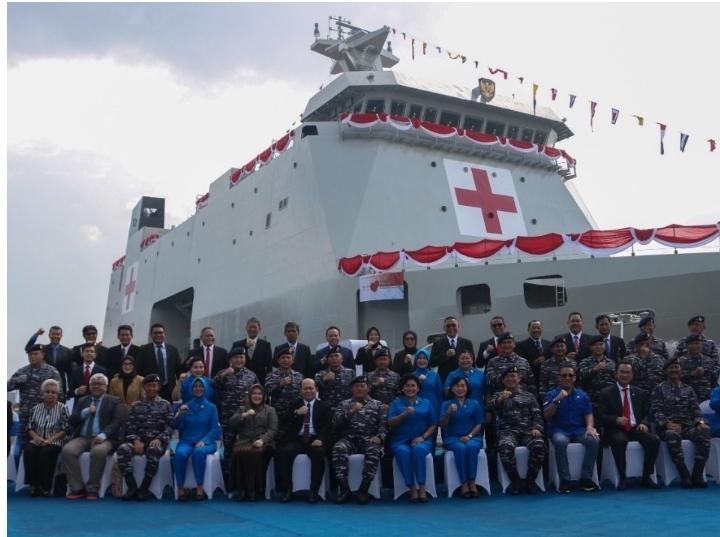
489	347
215	358
90	335
96	418
614	346
56	355
117	353
332	336
80	378
575	341
301	353
624	413
161	358
308	421
534	349
259	351
446	350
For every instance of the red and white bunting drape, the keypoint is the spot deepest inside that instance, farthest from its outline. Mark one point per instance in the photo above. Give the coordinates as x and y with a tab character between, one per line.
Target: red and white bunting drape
365	121
202	202
262	159
147	241
594	242
119	263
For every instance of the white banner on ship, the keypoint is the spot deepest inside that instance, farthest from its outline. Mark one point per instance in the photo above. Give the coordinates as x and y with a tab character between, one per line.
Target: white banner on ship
386	286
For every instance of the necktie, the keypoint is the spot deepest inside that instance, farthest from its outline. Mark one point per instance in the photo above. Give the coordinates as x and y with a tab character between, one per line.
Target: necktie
124	349
306	425
607	347
161	365
626	409
539	347
87	375
56	348
452	343
576	343
91	419
207	362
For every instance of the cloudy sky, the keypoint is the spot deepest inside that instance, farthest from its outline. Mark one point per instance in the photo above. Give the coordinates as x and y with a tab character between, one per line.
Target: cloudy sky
109	102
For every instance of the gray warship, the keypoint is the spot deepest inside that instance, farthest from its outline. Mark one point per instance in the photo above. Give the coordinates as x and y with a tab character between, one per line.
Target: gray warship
436	185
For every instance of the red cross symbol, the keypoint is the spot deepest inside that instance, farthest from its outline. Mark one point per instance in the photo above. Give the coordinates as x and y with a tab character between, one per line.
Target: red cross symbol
484	199
130	288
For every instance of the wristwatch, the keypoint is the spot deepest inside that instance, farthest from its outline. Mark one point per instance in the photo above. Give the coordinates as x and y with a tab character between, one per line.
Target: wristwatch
470	435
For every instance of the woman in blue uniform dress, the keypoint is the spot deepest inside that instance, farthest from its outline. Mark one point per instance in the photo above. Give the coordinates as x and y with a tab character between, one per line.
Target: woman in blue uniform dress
462	421
474	376
412	421
197	423
430	383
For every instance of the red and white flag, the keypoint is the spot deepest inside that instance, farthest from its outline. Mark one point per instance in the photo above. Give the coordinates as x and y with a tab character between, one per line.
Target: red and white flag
615	114
553	92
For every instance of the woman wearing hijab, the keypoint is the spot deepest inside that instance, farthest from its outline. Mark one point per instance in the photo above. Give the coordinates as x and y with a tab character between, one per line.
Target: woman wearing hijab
127	385
47	431
474	376
183	389
197	423
366	355
257	426
430	383
402	362
412	420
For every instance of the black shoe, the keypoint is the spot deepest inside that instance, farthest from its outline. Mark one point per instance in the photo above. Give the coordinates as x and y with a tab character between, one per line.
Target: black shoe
142	495
252	496
200	497
647	483
698	475
362	498
564	487
622	484
343	497
588	485
531	487
515	487
130	495
241	496
287	497
699	482
313	497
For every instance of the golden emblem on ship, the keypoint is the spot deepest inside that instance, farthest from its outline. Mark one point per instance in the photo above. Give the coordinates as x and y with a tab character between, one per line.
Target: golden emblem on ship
487	89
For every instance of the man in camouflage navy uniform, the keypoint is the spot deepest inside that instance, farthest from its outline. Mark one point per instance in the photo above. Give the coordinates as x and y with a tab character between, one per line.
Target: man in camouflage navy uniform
334	382
550	368
647	365
700	372
384	383
709	348
596	372
676	411
519	422
283	387
148	432
28	380
657	345
362	425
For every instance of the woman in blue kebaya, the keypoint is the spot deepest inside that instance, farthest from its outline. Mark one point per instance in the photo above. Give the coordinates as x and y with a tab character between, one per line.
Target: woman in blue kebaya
184	389
430	383
197	423
474	376
462	420
412	421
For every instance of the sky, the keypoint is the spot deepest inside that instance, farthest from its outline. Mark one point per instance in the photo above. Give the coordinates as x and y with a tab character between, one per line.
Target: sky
110	102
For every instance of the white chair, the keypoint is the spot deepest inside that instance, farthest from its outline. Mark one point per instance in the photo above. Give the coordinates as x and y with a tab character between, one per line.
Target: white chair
213	478
270	480
20	481
713	464
634	459
355	468
452	479
707	412
105	479
399	480
300	477
11	468
163	478
575	454
522	458
665	467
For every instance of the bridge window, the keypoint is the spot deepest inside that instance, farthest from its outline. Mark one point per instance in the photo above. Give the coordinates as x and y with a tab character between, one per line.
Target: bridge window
268	219
513	131
473	123
431	114
527	135
545	292
474	299
415	111
449	119
540	138
397	108
495	128
375	106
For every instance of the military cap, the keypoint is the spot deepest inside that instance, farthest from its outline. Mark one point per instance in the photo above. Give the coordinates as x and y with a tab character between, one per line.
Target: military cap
671	361
646	320
359	378
382	351
597	338
36	347
337	349
694	337
641	337
285	352
508	370
152	377
697	319
557	339
237	351
506	335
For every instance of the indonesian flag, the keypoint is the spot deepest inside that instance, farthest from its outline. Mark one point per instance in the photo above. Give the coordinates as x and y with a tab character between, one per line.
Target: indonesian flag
712	145
521	79
593	105
662	138
553	91
615	114
572	100
683	141
202	201
496	71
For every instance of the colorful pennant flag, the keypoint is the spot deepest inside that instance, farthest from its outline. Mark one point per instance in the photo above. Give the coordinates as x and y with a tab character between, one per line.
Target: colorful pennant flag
572	100
476	64
521	79
712	145
553	91
593	104
424	48
615	114
413	48
683	141
439	50
496	71
641	120
662	138
535	88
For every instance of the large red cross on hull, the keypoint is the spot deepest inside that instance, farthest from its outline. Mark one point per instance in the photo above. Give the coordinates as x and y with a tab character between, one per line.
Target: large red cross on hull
484	199
130	288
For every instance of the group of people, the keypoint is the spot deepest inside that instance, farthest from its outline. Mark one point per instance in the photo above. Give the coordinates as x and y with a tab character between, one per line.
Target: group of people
265	405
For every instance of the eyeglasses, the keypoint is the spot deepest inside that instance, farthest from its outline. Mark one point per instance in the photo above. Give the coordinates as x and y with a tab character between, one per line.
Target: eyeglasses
567	375
50	392
158	333
497	325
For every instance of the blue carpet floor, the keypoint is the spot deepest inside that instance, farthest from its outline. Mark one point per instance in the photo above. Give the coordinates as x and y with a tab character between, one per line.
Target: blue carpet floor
670	511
